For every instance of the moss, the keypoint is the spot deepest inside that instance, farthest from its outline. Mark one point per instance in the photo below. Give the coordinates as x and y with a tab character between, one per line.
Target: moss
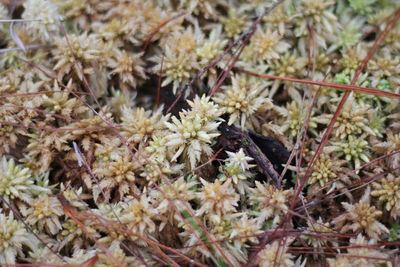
90	114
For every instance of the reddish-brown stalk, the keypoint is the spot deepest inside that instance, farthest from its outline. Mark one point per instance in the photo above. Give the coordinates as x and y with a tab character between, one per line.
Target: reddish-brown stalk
159	82
61	129
62	117
344	87
311	50
37	93
158	28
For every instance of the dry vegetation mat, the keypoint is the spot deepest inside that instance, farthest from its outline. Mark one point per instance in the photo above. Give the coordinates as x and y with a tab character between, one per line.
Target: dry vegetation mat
199	133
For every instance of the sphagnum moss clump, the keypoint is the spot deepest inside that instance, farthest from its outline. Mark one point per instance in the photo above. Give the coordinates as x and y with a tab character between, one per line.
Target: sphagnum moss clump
123	141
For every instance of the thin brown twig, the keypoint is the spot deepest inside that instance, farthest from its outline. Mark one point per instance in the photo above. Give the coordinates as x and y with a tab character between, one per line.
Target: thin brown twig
158	28
159	82
344	87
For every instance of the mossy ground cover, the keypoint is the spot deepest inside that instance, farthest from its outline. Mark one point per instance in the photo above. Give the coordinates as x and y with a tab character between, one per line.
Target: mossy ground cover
200	133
